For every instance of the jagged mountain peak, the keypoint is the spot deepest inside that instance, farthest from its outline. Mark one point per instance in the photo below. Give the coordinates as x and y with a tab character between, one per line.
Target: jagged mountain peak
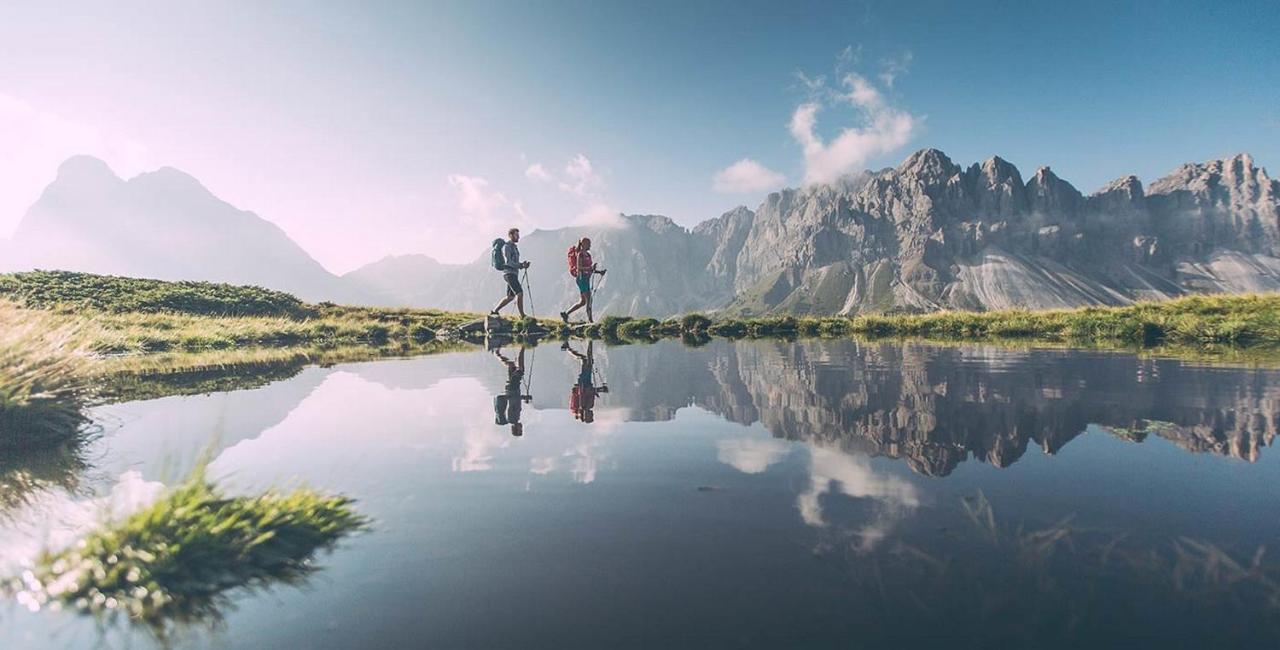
996	169
1235	171
930	164
1130	185
655	222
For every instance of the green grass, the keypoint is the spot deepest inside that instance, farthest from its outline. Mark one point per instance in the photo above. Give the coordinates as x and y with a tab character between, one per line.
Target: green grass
1210	323
48	289
1235	320
177	558
122	315
43	379
128	315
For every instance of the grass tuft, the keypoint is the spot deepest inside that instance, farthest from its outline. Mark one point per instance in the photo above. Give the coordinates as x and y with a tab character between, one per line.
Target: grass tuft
43	370
177	558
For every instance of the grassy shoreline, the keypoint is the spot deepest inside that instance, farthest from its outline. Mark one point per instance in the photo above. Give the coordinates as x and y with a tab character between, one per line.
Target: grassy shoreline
126	315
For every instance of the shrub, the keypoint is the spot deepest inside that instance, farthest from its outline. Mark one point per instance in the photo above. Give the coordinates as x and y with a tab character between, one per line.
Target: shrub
695	323
609	325
638	328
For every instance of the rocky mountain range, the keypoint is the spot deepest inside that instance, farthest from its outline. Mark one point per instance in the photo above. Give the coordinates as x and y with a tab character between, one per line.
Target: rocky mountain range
928	234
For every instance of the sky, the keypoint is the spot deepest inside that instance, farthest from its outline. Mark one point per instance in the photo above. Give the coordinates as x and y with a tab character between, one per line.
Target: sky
368	129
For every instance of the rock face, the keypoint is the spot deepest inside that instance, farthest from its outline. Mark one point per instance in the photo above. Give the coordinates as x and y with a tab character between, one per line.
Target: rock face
930	235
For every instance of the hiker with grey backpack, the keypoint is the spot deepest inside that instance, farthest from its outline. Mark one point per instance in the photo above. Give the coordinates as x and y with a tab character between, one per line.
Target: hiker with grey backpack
506	258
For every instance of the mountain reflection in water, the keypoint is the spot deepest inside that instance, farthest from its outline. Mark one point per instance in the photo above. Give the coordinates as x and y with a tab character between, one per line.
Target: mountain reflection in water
743	493
935	406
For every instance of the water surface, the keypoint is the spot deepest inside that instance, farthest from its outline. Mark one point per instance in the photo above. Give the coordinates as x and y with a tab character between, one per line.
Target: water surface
752	493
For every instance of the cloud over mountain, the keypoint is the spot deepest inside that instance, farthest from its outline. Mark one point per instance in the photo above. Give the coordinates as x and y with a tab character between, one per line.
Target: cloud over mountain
883	128
746	176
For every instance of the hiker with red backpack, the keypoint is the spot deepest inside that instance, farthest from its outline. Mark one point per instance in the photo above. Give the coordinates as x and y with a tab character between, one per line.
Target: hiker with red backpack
582	268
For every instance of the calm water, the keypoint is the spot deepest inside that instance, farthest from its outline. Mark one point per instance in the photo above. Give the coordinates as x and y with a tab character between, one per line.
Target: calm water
758	493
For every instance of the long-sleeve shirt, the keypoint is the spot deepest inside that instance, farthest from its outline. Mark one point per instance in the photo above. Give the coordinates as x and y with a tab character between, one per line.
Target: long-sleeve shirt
511	255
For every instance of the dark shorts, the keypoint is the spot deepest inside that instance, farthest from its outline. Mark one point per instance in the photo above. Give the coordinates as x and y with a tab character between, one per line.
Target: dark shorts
513	284
584	283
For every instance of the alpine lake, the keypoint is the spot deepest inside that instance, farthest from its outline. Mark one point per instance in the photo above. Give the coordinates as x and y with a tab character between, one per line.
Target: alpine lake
752	493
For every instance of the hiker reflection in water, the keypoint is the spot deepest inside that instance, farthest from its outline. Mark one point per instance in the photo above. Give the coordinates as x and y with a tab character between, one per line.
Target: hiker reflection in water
582	397
508	404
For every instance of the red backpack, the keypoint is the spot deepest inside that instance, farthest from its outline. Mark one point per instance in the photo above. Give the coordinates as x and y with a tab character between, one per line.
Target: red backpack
575	269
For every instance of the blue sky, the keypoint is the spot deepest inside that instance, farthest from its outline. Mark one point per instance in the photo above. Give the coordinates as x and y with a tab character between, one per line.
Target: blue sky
375	128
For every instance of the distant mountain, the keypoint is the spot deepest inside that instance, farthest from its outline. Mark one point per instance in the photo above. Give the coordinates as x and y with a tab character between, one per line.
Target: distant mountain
165	225
928	234
655	267
401	280
931	235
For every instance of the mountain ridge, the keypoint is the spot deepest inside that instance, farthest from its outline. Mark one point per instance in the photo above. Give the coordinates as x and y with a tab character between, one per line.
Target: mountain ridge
928	234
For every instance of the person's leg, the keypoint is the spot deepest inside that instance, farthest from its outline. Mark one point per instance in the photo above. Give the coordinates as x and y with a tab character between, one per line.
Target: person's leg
505	301
582	302
520	304
589	298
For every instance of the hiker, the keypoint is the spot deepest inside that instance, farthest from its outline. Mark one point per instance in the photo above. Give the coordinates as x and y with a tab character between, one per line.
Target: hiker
506	258
582	268
582	397
507	406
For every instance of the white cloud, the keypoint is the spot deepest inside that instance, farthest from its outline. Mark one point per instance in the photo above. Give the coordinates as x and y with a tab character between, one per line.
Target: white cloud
475	198
581	178
746	176
599	215
537	172
851	475
884	129
751	456
482	213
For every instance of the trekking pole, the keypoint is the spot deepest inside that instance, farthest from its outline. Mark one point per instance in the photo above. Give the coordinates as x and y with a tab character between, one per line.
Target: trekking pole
595	286
528	291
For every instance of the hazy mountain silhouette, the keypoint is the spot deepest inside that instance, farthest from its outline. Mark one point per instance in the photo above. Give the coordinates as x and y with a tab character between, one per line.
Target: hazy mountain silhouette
163	224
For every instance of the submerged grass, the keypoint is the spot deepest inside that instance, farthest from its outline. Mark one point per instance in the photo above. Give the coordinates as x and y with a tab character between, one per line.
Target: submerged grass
176	559
1058	580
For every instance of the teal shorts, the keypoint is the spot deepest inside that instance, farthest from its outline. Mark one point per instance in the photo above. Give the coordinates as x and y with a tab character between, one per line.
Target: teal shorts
584	283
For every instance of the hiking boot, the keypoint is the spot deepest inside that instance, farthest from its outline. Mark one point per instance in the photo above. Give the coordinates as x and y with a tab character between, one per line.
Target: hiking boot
564	316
